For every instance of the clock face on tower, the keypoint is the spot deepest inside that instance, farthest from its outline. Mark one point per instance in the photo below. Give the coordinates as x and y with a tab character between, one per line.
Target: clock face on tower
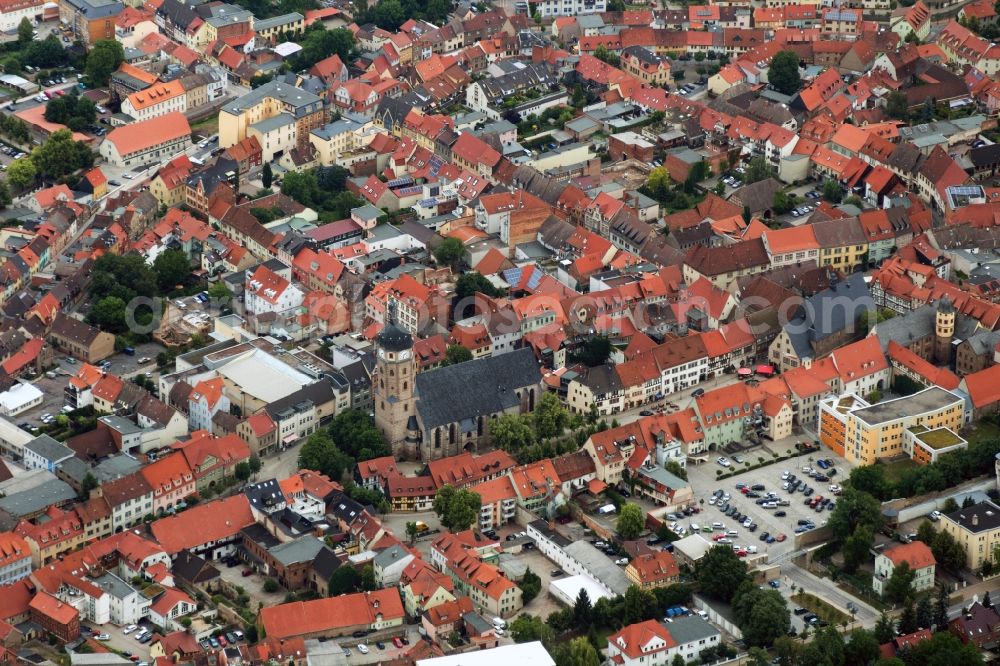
404	355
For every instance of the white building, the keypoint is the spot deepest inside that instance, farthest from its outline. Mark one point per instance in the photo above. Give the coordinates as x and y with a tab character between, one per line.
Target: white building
652	643
148	142
19	398
570	7
128	605
43	452
269	293
11	13
206	400
522	654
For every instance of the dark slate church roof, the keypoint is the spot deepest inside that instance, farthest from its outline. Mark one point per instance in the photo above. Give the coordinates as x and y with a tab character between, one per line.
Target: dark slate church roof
464	391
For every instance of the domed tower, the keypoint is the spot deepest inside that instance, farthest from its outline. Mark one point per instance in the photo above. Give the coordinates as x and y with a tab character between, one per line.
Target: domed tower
392	390
944	331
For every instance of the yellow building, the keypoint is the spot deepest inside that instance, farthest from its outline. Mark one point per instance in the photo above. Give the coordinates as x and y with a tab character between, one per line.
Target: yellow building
269	101
920	426
272	29
977	528
842	243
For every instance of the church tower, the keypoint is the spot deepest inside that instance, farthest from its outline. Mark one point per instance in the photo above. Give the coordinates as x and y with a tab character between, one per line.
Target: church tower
393	390
944	331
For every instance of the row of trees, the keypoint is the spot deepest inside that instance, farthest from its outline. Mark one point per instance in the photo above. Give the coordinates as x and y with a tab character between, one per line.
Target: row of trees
946	472
71	110
529	437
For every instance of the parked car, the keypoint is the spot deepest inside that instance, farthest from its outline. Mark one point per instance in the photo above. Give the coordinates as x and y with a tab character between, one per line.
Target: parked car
362	648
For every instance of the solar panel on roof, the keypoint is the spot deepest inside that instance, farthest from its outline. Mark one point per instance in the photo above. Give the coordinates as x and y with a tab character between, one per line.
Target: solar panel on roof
512	275
535	278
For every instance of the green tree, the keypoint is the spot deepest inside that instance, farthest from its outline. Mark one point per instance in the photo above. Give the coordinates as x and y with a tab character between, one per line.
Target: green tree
530	585
890	661
456	354
368	582
267	175
675	468
527	628
254	463
25	32
594	351
720	573
512	432
856	548
638	605
61	155
45	53
900	583
941	608
220	292
242	471
355	434
885	628
320	454
631	521
109	314
832	191
925	613
854	508
582	653
948	552
871	479
950	505
582	610
412	531
270	586
388	14
862	648
658	183
604	55
787	651
88	484
550	416
105	56
896	105
826	649
784	73
172	268
783	202
471	283
757	169
21	173
449	252
344	580
762	615
457	508
908	618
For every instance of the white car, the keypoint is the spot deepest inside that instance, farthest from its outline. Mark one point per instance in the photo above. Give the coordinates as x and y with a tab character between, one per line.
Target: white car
621	561
935	516
722	460
129	629
497	630
103	637
362	648
785	475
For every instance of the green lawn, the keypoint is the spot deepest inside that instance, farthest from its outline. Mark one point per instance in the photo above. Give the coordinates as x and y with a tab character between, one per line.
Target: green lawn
895	469
984	430
822	609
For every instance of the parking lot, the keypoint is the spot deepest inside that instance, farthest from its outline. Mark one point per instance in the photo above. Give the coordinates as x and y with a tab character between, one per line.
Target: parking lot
766	479
120	641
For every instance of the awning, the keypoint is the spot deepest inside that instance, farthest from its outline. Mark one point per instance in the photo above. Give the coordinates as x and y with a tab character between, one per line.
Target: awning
596	486
289	439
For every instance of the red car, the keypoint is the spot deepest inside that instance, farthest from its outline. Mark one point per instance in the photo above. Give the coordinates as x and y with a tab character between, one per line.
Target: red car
780	538
221	639
247	572
397	642
741	553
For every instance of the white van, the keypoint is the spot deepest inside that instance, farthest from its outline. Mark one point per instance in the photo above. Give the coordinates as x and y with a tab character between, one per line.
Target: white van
718	526
499	623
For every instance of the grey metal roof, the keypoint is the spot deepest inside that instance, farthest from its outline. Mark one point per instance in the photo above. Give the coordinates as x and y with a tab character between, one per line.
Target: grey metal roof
114	586
297	101
276	21
49	449
458	392
303	549
390	556
691	628
599	565
273	123
37	499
